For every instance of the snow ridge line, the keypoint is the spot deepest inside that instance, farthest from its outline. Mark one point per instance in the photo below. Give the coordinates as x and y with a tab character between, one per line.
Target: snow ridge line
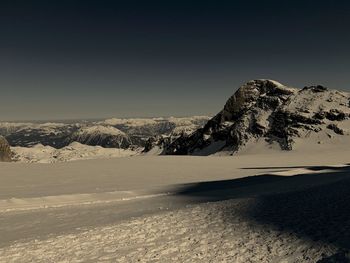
17	204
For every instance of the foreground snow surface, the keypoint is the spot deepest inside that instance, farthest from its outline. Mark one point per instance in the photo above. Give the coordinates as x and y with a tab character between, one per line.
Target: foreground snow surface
284	207
203	233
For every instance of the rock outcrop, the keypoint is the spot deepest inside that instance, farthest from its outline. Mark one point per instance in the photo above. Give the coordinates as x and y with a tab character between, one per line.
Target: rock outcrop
5	151
268	110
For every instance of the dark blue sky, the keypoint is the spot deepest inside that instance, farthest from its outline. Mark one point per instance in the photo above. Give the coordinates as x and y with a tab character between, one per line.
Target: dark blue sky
89	59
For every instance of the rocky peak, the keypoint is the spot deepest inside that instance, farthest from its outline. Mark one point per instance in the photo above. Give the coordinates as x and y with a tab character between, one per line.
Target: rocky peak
5	151
317	88
250	93
270	111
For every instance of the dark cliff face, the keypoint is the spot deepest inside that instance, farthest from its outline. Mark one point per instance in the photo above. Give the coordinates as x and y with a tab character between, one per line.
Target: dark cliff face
5	151
265	109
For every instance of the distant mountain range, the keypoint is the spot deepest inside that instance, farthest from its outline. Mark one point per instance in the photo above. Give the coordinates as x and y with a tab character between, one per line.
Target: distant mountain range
110	133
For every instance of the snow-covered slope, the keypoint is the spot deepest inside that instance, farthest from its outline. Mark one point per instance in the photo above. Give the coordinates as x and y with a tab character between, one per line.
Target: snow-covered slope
110	211
75	151
269	114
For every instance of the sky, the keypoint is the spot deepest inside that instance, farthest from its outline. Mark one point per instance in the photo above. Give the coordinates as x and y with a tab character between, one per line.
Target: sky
72	59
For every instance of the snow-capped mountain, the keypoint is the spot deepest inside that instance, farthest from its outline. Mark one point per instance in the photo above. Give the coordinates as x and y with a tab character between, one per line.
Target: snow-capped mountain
146	128
106	136
265	112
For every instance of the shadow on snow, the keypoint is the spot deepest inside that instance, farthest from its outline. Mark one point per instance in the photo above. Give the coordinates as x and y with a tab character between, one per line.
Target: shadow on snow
314	205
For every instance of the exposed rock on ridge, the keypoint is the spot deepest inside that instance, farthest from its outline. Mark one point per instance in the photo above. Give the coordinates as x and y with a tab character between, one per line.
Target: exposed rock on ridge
5	151
266	109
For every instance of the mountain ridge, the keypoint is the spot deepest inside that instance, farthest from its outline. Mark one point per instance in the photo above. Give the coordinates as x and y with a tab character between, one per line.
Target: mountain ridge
266	109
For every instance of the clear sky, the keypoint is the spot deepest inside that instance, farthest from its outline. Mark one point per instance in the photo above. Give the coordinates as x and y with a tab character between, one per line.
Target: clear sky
90	59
